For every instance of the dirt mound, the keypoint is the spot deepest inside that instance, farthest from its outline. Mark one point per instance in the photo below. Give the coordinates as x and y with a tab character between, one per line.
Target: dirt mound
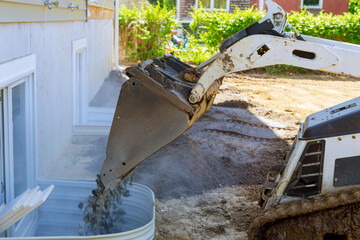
224	213
233	104
226	147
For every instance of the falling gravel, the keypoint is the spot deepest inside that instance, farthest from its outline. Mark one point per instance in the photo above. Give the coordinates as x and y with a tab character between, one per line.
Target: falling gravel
103	212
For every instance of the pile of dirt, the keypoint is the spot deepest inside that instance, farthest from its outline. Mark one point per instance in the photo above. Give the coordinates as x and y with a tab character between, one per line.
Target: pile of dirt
224	213
227	146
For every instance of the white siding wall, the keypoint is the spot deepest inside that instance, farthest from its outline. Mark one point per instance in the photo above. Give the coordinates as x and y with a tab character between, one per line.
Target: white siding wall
100	54
52	44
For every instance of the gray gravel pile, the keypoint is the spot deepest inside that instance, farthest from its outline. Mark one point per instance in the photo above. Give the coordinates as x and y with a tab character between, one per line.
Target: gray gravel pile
103	213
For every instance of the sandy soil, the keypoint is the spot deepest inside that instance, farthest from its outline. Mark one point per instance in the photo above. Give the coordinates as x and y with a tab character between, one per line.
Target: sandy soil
208	181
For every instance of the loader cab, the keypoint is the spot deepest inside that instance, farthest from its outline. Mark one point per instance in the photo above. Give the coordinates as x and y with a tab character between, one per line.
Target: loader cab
323	158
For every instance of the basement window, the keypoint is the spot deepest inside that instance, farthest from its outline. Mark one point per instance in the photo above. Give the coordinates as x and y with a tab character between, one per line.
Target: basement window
90	110
79	69
18	143
312	4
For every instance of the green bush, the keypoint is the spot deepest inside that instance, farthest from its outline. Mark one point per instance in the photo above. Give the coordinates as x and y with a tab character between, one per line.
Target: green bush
142	31
195	52
213	27
337	27
354	6
210	28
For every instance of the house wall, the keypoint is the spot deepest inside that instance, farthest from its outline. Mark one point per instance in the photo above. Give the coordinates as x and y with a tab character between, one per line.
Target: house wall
293	5
289	6
36	11
336	6
329	6
51	42
185	7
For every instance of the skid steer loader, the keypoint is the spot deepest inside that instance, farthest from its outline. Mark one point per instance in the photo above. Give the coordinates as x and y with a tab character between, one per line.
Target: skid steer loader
316	193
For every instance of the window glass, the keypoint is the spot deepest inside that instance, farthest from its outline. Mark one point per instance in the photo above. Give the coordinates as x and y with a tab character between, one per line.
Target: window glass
80	81
311	3
220	4
205	3
19	138
2	179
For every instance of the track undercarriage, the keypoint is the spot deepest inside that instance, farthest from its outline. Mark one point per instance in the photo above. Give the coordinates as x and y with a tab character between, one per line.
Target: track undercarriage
327	216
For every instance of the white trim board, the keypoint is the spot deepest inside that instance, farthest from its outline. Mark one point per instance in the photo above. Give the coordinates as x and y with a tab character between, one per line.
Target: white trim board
22	205
61	3
12	12
90	130
10	71
100	116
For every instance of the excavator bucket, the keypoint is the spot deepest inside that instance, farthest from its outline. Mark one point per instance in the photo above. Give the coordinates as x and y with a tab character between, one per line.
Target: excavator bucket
152	111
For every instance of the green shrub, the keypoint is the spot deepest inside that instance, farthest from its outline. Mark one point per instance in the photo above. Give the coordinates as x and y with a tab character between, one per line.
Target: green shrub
195	52
354	6
142	31
209	28
337	27
213	27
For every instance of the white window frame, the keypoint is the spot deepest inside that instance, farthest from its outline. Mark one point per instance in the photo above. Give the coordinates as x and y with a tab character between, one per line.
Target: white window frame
12	73
83	115
320	6
80	84
212	3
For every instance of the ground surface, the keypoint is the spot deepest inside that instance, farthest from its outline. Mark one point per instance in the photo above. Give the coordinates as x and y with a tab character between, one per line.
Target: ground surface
234	165
207	182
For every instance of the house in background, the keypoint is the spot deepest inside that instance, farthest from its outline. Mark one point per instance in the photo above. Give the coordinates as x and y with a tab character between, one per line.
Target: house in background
314	6
184	7
55	57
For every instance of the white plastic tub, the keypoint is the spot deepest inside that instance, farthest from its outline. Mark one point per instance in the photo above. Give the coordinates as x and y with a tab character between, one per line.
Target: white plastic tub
59	216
